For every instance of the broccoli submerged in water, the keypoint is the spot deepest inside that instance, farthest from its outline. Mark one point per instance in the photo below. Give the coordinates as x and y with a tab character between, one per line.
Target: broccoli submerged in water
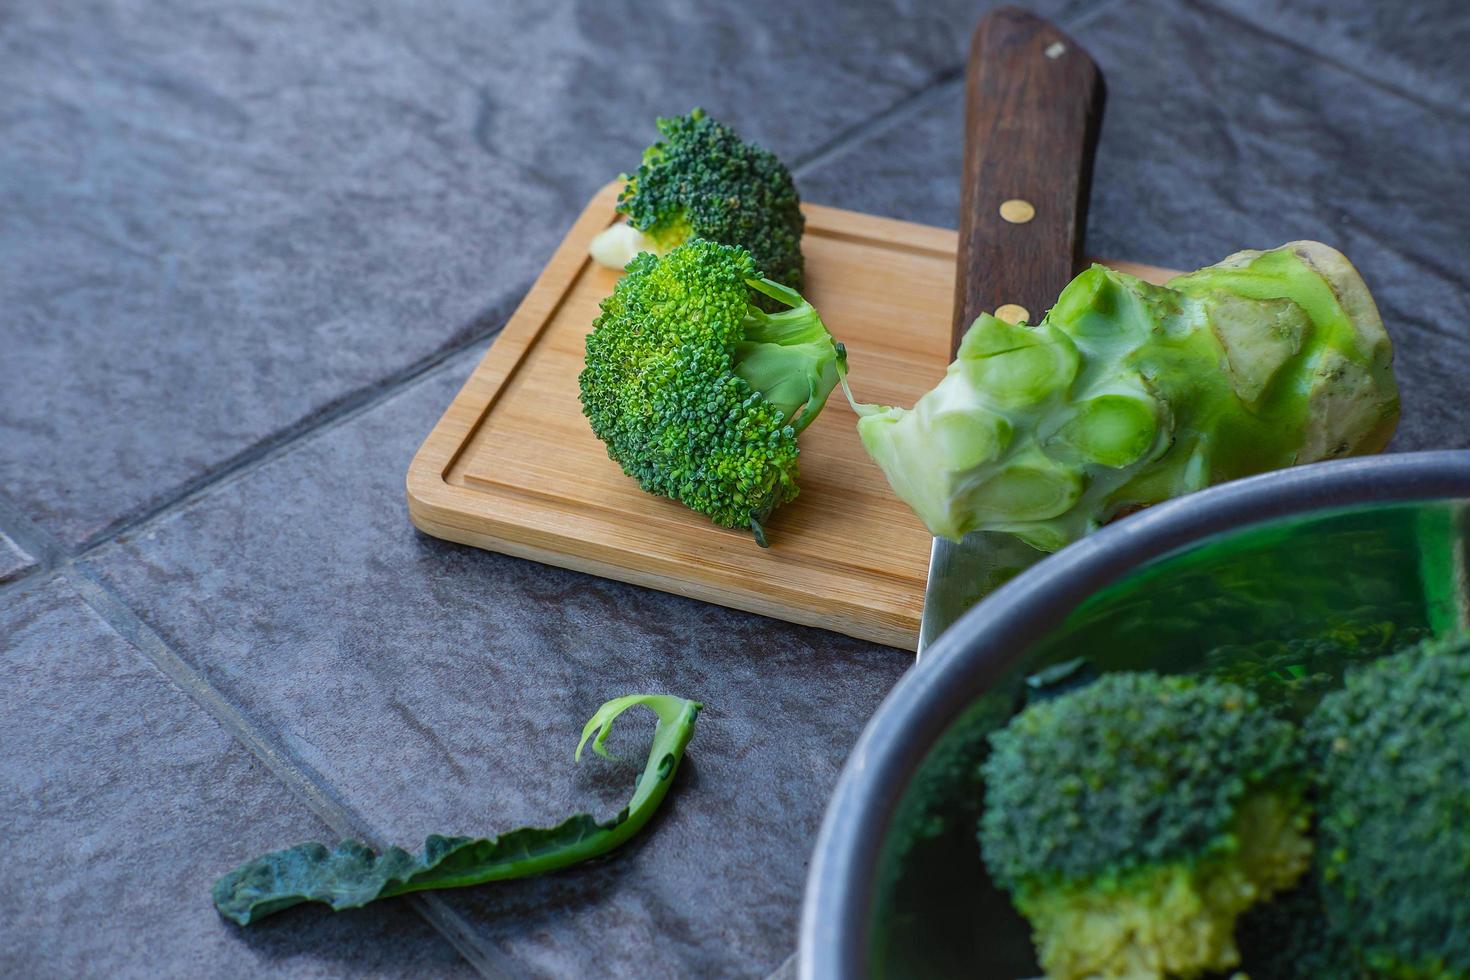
1134	819
1127	394
1392	749
700	395
1295	673
702	181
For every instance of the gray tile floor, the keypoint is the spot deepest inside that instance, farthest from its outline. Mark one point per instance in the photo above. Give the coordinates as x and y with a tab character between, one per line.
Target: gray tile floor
247	254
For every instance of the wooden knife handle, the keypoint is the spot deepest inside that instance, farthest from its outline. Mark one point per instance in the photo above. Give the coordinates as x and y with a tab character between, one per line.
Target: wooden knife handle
1033	102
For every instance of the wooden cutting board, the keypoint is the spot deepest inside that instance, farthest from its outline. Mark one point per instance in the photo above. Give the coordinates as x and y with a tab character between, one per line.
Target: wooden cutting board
513	467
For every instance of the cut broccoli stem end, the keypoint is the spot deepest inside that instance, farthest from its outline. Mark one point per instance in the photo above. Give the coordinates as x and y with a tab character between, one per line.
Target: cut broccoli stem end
615	246
759	533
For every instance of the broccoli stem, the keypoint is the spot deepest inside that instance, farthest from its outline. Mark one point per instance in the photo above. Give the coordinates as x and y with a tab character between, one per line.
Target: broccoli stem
1127	394
616	245
787	355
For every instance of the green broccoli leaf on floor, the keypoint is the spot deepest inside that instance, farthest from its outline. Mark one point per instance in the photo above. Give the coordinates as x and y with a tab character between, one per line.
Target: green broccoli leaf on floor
352	874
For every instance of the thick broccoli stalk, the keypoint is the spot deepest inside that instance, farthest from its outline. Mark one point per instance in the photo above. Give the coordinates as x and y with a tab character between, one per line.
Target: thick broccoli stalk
1393	754
698	394
1134	819
1127	394
702	181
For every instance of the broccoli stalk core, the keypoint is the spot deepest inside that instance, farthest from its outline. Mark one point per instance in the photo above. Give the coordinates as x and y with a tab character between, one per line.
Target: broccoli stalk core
616	245
1127	394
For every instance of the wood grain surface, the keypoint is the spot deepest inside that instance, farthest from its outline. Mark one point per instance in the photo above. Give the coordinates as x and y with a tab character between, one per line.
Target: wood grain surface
512	465
1033	103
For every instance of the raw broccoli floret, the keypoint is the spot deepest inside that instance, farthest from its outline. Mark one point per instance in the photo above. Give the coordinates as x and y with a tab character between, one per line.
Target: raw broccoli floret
698	394
1127	394
702	181
1134	819
1392	749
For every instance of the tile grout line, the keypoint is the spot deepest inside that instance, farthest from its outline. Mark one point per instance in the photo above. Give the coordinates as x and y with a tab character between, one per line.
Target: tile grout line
876	124
788	968
120	617
1085	12
283	441
37	541
921	98
1334	61
30	537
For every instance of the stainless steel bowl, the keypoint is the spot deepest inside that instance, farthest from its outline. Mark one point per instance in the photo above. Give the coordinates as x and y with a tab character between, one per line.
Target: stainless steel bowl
1375	547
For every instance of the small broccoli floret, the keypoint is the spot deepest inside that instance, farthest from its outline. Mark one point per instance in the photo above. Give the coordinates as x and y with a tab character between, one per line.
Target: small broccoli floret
698	394
1127	394
702	181
1134	819
1393	753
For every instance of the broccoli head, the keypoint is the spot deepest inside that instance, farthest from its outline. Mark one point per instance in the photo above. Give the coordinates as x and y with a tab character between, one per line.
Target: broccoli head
1134	819
702	181
698	394
1127	394
1392	748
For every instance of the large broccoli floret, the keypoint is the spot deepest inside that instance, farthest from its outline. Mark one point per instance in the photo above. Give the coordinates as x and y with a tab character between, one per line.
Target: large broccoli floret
698	394
1393	752
1127	394
1134	819
702	181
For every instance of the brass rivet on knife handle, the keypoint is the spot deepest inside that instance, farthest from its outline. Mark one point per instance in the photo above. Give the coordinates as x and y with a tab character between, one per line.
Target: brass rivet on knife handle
1033	101
1017	211
1011	313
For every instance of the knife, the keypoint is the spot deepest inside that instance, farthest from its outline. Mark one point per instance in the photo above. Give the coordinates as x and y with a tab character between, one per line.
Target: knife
1033	101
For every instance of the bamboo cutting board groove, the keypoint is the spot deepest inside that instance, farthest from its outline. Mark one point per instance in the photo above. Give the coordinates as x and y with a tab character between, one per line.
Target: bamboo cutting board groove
513	467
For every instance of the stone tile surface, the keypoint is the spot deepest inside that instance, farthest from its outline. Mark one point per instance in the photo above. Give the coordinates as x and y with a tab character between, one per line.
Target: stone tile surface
122	801
1419	47
254	211
441	689
15	561
258	213
1245	143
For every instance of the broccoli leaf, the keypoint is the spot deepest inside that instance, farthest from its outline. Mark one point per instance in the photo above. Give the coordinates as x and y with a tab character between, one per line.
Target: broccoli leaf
352	874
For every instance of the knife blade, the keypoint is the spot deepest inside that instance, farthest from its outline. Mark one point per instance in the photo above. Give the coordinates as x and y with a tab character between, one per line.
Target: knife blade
1033	103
